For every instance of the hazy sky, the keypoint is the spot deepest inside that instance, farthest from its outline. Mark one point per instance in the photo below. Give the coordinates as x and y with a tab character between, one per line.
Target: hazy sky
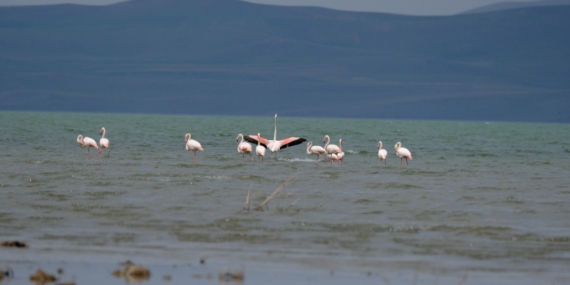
408	7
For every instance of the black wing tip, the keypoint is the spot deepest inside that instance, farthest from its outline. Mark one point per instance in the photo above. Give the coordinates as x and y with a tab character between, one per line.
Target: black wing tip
253	141
295	142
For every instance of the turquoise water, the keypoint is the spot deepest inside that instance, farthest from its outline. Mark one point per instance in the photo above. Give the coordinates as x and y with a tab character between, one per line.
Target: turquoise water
483	199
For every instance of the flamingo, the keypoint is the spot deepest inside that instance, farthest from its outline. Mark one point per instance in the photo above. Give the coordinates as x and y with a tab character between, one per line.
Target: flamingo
259	149
104	142
382	153
318	150
243	148
402	152
336	156
192	145
275	145
331	148
88	143
340	155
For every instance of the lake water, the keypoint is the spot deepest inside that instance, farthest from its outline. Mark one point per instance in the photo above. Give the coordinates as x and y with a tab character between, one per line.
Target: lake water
485	201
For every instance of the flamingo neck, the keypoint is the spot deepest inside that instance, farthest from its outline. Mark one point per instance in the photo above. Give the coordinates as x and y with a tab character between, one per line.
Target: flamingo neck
328	139
275	129
309	144
104	131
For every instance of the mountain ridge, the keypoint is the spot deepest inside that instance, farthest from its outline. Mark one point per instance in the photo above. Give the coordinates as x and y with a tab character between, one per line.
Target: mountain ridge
515	5
153	56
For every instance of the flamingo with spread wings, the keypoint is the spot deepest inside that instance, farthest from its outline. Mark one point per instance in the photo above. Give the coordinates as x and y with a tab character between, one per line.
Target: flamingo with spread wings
275	145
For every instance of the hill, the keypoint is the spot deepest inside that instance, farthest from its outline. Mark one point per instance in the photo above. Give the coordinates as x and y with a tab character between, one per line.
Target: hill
516	5
236	58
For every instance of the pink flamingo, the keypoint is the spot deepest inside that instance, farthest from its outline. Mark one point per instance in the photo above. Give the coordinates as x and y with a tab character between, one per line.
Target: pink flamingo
192	145
402	152
243	148
318	150
104	143
88	143
259	149
336	156
275	145
331	148
340	155
382	153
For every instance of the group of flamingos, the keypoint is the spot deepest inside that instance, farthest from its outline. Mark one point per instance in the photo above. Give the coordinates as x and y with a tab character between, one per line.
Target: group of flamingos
332	151
89	143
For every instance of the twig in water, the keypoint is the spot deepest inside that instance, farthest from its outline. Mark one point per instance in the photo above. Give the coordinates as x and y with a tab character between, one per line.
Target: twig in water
288	181
292	203
246	205
463	280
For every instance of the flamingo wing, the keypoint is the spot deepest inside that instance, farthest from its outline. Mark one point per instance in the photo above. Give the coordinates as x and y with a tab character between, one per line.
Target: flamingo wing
382	153
254	139
404	152
317	149
244	147
291	141
103	142
194	145
333	148
260	150
87	141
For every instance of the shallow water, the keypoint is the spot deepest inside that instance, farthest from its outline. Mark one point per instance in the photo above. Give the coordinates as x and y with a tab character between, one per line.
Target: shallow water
490	200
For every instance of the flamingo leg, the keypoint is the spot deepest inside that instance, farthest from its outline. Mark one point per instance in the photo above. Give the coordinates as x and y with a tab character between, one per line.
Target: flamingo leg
251	157
99	152
194	156
406	161
400	162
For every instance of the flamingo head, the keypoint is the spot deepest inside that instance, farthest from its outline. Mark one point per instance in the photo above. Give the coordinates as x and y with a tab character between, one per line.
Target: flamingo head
379	144
325	138
102	130
80	139
187	137
237	138
397	145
